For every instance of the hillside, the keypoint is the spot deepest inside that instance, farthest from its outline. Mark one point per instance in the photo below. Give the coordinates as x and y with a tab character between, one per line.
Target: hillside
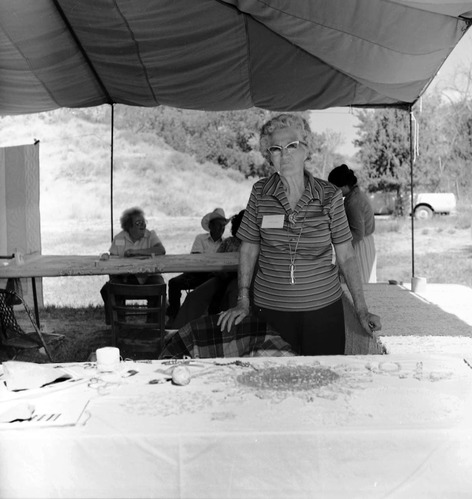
75	171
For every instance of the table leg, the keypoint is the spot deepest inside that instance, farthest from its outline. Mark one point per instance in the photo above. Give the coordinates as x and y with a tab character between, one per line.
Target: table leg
35	301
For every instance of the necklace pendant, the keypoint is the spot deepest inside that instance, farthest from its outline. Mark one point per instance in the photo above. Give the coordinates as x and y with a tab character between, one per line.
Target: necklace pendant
292	273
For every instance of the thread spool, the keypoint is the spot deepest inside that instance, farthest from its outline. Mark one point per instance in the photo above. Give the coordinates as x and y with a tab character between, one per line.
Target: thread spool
108	359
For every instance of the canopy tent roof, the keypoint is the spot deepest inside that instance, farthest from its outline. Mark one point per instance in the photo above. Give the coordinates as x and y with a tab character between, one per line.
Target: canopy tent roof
281	55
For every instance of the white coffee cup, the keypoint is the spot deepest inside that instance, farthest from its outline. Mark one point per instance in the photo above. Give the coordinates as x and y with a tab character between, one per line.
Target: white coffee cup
108	359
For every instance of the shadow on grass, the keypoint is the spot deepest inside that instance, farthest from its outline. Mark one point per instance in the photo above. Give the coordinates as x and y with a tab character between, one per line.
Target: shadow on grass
77	333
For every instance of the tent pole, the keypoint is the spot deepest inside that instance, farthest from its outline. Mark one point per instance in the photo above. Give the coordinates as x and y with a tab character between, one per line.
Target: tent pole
412	215
112	126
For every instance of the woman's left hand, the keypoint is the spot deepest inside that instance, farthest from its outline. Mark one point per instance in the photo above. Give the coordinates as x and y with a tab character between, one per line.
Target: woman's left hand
374	322
129	252
370	322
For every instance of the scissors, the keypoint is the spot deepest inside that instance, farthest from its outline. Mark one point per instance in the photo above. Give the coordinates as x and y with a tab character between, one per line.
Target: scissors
103	387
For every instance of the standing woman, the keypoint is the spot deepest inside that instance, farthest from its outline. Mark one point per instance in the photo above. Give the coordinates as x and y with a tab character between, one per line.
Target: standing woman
360	216
291	225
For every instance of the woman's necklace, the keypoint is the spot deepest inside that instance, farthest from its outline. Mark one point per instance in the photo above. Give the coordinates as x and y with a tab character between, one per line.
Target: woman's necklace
293	256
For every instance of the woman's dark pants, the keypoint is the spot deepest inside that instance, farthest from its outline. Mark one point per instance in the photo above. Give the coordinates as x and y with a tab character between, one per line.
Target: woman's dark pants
316	332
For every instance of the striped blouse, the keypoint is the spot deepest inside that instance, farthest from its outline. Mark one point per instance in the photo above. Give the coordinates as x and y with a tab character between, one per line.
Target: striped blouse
306	240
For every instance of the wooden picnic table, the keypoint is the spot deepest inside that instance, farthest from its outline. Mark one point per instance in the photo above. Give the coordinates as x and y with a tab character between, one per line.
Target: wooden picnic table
88	265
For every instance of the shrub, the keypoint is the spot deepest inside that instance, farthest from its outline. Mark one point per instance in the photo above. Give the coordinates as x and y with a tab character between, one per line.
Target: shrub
390	225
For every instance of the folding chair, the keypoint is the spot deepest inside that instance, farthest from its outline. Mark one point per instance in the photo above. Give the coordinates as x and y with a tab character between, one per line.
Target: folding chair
12	336
130	317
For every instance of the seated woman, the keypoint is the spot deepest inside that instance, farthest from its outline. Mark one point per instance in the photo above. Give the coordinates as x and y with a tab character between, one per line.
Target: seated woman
133	240
217	293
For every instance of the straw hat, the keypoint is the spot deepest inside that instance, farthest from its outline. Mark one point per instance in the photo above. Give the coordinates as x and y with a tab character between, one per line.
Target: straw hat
217	213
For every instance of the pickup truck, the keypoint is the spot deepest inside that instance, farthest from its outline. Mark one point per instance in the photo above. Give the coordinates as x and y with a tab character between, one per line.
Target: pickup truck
426	204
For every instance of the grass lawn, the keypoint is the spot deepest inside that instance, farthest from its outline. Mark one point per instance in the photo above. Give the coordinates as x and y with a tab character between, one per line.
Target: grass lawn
443	254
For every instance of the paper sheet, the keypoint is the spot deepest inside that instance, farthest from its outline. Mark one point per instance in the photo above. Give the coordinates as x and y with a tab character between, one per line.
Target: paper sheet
45	411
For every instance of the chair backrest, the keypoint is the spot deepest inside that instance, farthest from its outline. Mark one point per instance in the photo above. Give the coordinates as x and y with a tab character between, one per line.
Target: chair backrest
8	322
129	313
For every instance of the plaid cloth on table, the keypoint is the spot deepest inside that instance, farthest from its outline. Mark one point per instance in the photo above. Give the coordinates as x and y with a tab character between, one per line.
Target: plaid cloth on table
203	338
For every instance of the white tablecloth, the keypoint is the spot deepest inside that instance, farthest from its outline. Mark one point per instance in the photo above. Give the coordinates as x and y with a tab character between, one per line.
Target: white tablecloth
353	426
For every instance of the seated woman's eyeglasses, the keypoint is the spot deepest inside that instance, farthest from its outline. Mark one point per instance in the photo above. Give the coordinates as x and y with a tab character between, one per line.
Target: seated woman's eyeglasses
290	148
140	223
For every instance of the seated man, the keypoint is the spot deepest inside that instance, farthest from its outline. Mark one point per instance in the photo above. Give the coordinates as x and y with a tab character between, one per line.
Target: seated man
219	292
133	240
214	224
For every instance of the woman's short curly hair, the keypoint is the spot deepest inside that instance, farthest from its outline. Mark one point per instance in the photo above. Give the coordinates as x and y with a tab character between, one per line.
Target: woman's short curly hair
126	219
285	121
236	222
342	175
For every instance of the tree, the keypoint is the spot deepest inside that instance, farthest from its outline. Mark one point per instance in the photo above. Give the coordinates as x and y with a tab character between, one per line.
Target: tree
457	144
384	149
325	156
442	138
228	138
429	170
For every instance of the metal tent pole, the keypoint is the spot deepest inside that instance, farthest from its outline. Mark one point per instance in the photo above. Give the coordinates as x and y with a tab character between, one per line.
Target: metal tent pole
412	215
112	126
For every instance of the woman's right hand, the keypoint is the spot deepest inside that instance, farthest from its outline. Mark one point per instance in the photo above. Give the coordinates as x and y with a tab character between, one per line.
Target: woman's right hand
235	315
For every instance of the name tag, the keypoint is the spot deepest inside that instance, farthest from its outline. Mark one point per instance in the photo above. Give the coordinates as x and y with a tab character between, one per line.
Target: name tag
272	222
120	242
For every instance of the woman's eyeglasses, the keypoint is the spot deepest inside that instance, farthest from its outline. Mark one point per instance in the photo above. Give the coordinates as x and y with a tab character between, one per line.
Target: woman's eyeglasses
140	223
290	148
